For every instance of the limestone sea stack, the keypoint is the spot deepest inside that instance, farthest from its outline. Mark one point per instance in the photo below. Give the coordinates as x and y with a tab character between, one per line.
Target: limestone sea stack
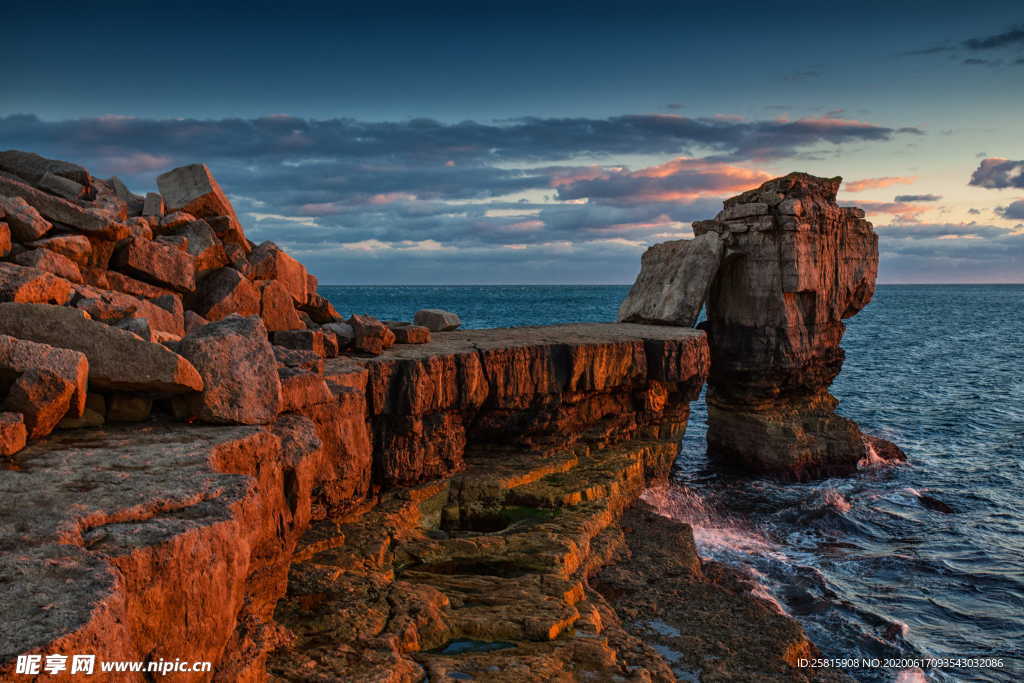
796	265
779	269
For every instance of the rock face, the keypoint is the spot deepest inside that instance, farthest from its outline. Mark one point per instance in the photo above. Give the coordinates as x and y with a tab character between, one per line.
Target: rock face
796	265
673	282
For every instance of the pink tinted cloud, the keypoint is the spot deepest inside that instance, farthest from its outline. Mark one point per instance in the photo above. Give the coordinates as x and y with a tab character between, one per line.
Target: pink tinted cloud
682	179
904	211
138	162
877	183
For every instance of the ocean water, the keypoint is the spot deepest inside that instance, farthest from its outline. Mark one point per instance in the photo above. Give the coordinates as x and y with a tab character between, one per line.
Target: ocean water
868	564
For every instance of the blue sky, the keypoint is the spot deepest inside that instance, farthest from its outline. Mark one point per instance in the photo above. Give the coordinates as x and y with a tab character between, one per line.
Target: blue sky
479	143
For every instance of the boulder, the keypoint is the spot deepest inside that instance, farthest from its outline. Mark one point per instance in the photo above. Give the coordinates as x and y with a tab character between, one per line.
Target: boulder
173	221
51	262
153	205
224	292
133	202
410	334
42	398
193	189
277	307
319	309
139	227
118	360
437	320
5	240
76	248
371	335
62	187
193	321
304	340
20	355
31	285
91	221
237	364
25	222
120	282
270	262
204	247
13	434
298	358
674	281
230	233
300	389
32	167
157	263
139	327
342	331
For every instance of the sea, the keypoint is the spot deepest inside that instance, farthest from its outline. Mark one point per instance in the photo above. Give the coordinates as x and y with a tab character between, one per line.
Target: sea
912	572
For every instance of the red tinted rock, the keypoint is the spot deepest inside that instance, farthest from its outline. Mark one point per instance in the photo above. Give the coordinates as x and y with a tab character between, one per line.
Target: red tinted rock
174	221
120	282
157	263
319	309
237	364
277	307
20	355
225	292
300	389
303	340
42	398
25	222
102	250
31	285
229	231
343	332
77	248
51	262
13	434
139	227
193	321
94	222
410	334
5	240
204	247
298	358
118	360
269	262
193	189
371	335
32	167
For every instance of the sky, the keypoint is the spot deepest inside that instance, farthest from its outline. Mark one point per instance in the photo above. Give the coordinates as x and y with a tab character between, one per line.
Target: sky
507	143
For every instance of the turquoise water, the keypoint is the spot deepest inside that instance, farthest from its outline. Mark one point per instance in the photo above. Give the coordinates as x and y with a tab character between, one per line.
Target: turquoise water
866	566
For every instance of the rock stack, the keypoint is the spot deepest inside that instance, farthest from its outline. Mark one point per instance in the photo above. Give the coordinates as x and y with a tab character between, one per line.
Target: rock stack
112	304
781	267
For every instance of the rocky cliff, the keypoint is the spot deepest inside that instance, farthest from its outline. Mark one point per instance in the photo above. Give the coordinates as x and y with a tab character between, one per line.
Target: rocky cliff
203	461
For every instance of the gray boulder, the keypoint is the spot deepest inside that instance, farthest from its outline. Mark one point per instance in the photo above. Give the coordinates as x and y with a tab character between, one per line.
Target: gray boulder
674	281
437	320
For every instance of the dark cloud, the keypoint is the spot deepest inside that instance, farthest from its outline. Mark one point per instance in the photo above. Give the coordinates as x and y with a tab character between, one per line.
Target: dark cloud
998	173
1014	36
109	139
974	212
974	61
1015	211
917	198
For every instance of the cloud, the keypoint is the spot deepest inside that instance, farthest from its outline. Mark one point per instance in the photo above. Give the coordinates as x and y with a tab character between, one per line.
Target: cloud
998	173
807	75
429	141
917	198
903	211
876	183
676	180
1015	211
965	252
1014	36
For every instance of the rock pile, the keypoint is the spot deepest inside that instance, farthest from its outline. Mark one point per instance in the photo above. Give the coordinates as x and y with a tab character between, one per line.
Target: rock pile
114	304
780	267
